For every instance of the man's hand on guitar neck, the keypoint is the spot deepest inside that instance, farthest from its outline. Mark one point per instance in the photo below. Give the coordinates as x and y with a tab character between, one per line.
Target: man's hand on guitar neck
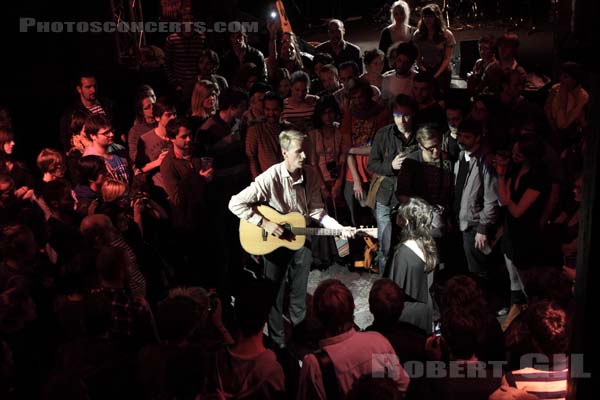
348	232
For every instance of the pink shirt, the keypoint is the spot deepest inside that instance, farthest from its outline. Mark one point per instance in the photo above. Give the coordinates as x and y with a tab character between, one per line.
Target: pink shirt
353	354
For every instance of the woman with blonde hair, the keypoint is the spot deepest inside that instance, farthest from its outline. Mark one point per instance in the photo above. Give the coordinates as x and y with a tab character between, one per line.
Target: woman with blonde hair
112	190
204	103
399	31
414	262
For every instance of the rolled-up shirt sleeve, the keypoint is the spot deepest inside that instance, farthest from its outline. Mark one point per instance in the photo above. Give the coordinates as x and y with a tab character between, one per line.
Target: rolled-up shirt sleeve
242	204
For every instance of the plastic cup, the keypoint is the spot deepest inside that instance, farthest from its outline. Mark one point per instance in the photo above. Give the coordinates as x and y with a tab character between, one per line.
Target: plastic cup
206	163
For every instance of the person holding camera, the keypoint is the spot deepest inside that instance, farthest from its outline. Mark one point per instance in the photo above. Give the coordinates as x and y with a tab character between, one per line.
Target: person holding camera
390	147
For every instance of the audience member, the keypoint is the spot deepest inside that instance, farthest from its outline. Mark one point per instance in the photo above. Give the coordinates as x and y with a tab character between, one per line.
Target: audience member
345	354
340	49
399	31
87	104
399	80
373	61
391	146
435	42
239	54
414	262
298	109
144	122
262	140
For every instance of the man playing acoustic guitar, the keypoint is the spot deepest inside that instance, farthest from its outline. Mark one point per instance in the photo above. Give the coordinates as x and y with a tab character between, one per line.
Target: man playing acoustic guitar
287	187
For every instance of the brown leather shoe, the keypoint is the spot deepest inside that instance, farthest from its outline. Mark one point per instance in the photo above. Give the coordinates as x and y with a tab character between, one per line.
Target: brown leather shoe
513	313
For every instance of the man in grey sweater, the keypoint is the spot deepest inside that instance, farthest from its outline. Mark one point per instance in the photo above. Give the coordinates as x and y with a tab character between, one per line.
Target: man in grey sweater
476	197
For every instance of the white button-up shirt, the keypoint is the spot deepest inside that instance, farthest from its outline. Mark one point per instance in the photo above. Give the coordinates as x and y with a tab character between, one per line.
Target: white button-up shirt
276	188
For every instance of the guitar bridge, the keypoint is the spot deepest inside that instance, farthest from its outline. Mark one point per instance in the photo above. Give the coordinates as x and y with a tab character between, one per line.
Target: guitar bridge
265	235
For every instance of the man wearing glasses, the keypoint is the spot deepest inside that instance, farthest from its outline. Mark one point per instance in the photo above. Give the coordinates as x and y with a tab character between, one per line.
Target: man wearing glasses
427	173
99	130
390	148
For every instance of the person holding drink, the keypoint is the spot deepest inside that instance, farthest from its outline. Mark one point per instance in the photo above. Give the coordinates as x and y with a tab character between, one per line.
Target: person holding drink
187	180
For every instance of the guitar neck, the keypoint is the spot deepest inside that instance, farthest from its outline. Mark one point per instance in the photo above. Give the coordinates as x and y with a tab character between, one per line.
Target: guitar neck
316	231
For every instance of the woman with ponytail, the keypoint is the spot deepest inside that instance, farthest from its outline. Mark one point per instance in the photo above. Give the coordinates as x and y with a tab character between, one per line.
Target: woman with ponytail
414	261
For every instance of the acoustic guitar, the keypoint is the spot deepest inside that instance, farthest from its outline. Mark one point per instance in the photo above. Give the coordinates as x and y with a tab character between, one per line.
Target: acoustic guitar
257	241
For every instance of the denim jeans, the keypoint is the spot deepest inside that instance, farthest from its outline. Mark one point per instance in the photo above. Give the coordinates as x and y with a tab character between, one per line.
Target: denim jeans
384	232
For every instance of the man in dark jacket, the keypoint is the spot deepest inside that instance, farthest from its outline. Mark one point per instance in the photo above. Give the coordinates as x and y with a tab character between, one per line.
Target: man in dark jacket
242	53
390	147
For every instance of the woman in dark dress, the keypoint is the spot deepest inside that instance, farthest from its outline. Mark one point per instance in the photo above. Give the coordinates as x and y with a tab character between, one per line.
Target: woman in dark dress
414	261
523	189
399	31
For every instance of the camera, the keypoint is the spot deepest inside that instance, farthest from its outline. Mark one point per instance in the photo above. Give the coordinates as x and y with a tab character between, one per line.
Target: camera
333	169
145	200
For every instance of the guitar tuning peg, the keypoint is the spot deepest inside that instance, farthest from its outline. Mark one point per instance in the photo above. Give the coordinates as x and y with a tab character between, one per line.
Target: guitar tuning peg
362	226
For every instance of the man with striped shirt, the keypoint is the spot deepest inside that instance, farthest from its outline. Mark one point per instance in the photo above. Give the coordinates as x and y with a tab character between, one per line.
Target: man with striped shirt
546	377
182	51
87	104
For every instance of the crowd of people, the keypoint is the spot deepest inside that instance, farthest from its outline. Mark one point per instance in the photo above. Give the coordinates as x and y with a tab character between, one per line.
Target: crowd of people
122	274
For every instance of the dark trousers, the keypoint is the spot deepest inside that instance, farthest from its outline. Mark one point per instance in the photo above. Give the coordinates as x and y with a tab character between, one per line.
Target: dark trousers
283	266
476	260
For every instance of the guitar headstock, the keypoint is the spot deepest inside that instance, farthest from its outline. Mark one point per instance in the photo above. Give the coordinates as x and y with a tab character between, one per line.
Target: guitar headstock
367	231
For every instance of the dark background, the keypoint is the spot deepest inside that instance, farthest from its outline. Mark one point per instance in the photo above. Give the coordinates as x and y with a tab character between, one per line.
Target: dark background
39	69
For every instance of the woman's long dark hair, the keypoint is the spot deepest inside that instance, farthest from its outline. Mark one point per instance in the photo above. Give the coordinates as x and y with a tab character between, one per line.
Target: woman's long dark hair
439	24
418	217
6	136
294	41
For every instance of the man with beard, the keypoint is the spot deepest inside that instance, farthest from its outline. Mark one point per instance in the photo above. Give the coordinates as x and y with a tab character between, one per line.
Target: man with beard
262	143
87	104
402	57
476	197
